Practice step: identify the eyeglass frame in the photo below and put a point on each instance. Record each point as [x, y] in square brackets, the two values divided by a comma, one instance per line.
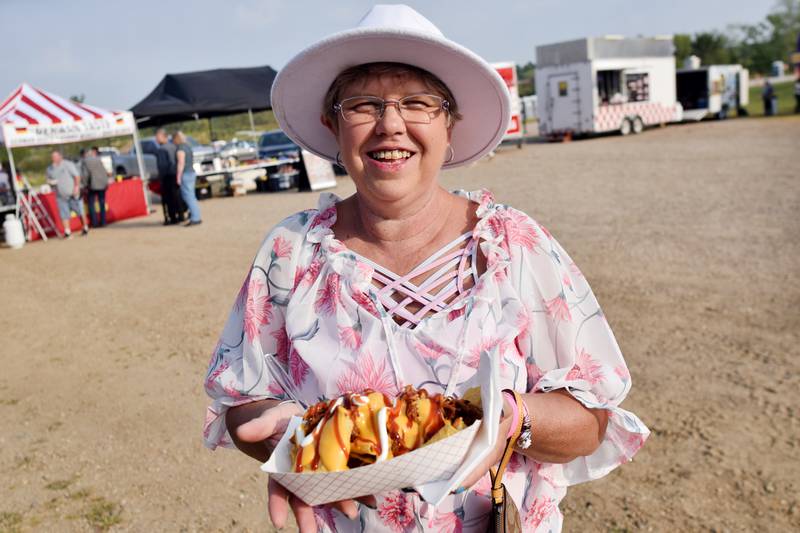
[443, 106]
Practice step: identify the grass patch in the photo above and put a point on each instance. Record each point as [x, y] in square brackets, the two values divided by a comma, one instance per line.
[60, 484]
[9, 401]
[24, 462]
[102, 514]
[785, 93]
[10, 522]
[79, 494]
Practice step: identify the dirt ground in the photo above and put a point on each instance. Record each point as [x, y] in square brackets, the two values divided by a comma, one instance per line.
[688, 234]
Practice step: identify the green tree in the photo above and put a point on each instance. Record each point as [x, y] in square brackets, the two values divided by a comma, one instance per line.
[683, 47]
[526, 75]
[713, 48]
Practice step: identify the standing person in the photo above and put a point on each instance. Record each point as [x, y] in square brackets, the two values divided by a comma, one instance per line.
[167, 163]
[186, 177]
[407, 283]
[66, 178]
[6, 190]
[97, 179]
[767, 94]
[797, 95]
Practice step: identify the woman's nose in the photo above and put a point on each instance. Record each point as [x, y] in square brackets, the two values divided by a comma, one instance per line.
[391, 121]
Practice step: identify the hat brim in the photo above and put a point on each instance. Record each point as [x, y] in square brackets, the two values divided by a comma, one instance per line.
[299, 90]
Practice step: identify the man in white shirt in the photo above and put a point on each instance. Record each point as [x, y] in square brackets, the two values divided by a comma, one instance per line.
[66, 179]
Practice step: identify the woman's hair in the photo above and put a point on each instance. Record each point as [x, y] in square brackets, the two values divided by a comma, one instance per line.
[360, 73]
[178, 138]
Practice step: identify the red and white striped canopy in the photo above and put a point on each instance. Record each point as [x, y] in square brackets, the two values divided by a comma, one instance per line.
[31, 116]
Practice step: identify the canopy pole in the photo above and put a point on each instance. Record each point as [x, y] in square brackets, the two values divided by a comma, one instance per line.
[139, 161]
[14, 184]
[252, 122]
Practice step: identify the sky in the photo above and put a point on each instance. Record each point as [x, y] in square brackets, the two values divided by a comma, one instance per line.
[115, 52]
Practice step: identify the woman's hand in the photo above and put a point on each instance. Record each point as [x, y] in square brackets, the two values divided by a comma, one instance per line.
[267, 429]
[495, 455]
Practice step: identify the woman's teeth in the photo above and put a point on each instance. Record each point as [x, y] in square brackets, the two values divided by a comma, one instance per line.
[390, 155]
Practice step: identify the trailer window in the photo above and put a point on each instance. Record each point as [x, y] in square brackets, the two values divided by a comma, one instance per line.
[609, 86]
[562, 88]
[638, 86]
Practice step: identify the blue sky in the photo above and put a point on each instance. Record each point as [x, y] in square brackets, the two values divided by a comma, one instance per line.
[115, 52]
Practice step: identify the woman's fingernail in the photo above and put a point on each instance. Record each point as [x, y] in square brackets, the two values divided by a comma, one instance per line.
[459, 490]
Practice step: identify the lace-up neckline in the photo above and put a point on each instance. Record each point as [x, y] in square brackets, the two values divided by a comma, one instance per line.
[455, 263]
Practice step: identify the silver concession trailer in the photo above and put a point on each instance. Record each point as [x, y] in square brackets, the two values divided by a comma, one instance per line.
[605, 84]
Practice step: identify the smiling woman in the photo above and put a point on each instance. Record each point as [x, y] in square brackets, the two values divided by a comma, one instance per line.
[405, 283]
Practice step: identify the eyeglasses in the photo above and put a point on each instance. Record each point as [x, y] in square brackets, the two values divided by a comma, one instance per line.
[416, 108]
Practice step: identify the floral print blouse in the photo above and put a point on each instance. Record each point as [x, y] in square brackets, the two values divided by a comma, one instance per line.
[307, 325]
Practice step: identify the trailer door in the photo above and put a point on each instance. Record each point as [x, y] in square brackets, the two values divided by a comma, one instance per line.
[564, 100]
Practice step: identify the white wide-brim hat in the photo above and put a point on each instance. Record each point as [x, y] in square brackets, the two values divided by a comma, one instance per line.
[397, 34]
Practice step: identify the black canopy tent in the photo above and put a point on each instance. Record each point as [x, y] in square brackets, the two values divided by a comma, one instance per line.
[206, 94]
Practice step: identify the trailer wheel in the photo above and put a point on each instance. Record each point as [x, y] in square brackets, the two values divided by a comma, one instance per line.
[637, 125]
[626, 127]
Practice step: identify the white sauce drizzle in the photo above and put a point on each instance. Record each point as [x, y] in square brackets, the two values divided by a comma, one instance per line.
[299, 435]
[383, 434]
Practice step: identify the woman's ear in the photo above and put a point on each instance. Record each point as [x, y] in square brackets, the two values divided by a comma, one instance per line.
[333, 128]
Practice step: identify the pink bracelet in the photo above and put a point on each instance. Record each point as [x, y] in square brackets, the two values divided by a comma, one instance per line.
[514, 412]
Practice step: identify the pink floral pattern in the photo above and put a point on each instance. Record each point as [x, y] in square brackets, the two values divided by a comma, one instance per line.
[586, 368]
[328, 296]
[281, 345]
[430, 350]
[558, 308]
[350, 337]
[446, 523]
[258, 309]
[298, 368]
[533, 310]
[364, 373]
[538, 511]
[396, 512]
[281, 248]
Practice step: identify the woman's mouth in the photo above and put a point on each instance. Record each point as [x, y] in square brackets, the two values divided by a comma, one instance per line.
[389, 156]
[389, 159]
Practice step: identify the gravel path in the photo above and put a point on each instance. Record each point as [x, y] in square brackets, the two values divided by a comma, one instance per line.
[688, 235]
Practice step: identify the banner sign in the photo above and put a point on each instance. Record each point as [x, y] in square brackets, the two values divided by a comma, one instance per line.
[319, 171]
[16, 135]
[508, 71]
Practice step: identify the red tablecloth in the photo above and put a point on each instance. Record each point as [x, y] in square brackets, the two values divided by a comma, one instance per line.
[124, 199]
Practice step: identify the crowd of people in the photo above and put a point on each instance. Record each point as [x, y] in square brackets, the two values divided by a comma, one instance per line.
[178, 178]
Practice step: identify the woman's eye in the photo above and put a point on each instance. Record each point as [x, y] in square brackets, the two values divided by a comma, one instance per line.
[365, 107]
[417, 104]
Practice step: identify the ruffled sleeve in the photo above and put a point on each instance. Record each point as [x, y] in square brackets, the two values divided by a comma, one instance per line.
[254, 341]
[568, 344]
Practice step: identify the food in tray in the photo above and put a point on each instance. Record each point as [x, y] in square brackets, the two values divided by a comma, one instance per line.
[359, 429]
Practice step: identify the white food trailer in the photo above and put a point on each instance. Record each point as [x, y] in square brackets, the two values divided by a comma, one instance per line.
[715, 90]
[605, 84]
[508, 71]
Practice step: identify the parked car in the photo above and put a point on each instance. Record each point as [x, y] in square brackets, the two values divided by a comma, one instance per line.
[126, 165]
[241, 150]
[275, 143]
[202, 153]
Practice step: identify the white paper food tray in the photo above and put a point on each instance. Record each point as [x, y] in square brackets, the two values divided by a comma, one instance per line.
[434, 470]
